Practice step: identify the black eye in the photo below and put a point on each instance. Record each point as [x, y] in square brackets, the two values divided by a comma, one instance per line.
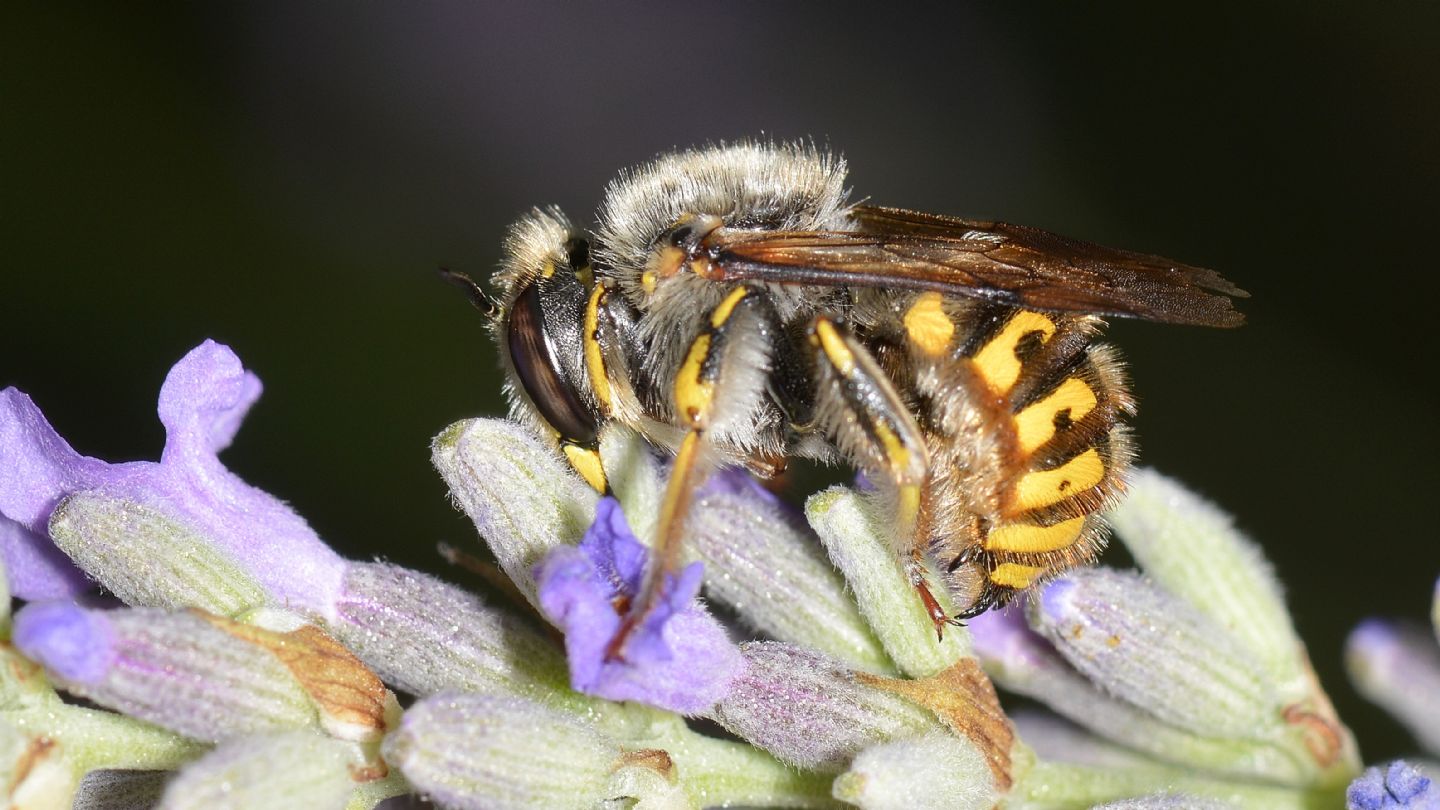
[535, 354]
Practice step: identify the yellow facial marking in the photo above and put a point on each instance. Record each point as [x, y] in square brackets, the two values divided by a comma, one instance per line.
[834, 347]
[648, 281]
[928, 326]
[586, 275]
[1025, 538]
[594, 357]
[723, 312]
[996, 361]
[1015, 575]
[693, 395]
[1035, 425]
[547, 269]
[587, 463]
[1047, 487]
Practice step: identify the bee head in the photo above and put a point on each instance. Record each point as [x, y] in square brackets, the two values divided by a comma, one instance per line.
[542, 287]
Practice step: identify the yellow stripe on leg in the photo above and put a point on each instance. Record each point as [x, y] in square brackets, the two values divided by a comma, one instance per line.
[833, 345]
[692, 394]
[722, 313]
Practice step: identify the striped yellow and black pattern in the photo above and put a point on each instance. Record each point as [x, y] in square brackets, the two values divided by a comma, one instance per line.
[1021, 412]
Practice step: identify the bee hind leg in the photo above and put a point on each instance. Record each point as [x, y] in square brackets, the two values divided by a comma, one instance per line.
[858, 405]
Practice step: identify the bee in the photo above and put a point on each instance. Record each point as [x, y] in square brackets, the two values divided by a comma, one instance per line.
[735, 308]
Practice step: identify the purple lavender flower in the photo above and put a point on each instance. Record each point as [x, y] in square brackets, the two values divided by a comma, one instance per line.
[1399, 785]
[678, 657]
[189, 496]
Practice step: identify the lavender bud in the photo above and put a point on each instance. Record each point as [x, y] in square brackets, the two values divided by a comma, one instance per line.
[176, 670]
[424, 636]
[1191, 548]
[523, 499]
[1020, 660]
[149, 558]
[1397, 665]
[765, 563]
[487, 751]
[809, 711]
[849, 524]
[290, 769]
[1156, 651]
[934, 770]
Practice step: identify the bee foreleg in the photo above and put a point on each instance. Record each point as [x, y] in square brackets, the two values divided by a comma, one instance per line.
[722, 375]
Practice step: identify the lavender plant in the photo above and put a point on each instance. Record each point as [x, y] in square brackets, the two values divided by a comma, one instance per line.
[231, 659]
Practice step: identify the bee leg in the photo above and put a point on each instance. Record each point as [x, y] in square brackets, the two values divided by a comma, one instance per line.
[726, 363]
[858, 405]
[915, 568]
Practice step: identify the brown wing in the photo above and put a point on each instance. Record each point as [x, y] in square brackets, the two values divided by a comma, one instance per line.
[1009, 264]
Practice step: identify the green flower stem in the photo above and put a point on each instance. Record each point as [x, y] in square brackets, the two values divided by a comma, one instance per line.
[369, 794]
[1059, 786]
[722, 773]
[95, 739]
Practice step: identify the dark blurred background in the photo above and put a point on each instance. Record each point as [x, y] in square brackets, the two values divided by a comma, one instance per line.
[285, 178]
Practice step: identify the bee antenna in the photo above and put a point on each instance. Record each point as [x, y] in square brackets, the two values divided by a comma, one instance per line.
[481, 299]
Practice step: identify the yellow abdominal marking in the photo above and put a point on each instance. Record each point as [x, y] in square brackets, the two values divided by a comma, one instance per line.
[1015, 575]
[594, 358]
[1048, 487]
[587, 463]
[996, 361]
[648, 281]
[927, 324]
[693, 395]
[1026, 538]
[1035, 425]
[727, 307]
[834, 347]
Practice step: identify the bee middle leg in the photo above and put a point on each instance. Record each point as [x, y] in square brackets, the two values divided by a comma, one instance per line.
[857, 405]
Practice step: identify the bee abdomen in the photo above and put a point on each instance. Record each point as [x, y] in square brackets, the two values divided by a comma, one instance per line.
[1029, 409]
[1066, 446]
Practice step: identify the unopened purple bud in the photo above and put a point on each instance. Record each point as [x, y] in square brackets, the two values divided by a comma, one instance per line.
[1397, 665]
[424, 636]
[177, 670]
[76, 644]
[808, 709]
[1156, 651]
